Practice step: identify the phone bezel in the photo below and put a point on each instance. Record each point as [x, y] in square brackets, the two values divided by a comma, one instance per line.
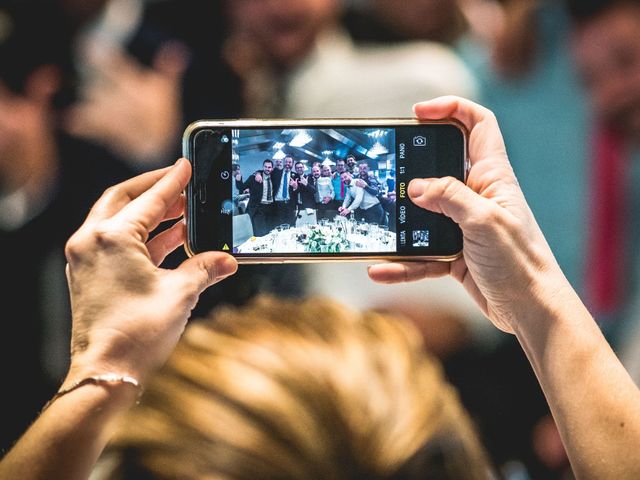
[317, 122]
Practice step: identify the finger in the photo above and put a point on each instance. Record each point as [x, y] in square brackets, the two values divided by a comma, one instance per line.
[166, 242]
[115, 66]
[485, 138]
[197, 273]
[407, 272]
[116, 197]
[172, 60]
[176, 210]
[80, 121]
[463, 110]
[147, 211]
[93, 120]
[450, 197]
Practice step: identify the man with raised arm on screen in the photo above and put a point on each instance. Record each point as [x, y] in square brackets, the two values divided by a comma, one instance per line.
[358, 200]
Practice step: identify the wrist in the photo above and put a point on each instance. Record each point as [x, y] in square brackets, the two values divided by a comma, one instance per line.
[550, 301]
[104, 358]
[121, 389]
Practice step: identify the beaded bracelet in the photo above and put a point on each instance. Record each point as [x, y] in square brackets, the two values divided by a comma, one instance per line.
[94, 380]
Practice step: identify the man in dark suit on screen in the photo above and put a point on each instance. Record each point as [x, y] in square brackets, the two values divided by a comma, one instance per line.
[304, 191]
[284, 196]
[261, 207]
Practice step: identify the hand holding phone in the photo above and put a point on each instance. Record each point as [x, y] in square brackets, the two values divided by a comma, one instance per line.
[507, 265]
[325, 195]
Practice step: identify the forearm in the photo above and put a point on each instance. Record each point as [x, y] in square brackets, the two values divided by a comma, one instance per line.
[128, 315]
[242, 186]
[356, 202]
[69, 436]
[372, 190]
[595, 403]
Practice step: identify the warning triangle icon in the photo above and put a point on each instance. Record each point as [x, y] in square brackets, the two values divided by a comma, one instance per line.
[225, 247]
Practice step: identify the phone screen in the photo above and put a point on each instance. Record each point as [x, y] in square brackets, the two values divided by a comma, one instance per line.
[320, 191]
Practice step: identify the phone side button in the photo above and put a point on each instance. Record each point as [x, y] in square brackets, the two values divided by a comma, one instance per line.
[202, 193]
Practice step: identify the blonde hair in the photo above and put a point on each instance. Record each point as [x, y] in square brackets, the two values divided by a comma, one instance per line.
[298, 390]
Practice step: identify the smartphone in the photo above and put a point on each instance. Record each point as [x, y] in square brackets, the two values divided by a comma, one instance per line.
[275, 191]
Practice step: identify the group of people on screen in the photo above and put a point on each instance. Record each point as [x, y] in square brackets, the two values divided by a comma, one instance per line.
[282, 193]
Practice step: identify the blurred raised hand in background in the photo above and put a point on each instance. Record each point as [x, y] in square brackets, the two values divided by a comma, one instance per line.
[133, 109]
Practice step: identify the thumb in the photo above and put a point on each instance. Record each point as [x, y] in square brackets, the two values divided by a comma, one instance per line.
[203, 270]
[450, 197]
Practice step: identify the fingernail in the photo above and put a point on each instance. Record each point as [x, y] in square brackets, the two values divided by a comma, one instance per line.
[417, 186]
[419, 104]
[227, 266]
[178, 161]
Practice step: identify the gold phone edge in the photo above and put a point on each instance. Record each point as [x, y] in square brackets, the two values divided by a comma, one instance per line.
[328, 122]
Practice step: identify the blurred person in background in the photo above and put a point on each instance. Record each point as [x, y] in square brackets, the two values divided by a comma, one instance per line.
[149, 69]
[48, 182]
[442, 21]
[401, 20]
[297, 61]
[606, 49]
[606, 55]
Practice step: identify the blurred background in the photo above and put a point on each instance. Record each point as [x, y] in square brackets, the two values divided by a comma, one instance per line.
[95, 91]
